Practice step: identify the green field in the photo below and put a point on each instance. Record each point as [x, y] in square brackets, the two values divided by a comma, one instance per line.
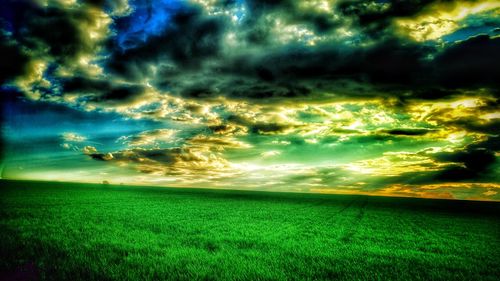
[102, 232]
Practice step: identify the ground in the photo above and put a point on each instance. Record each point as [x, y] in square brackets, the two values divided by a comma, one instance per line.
[58, 231]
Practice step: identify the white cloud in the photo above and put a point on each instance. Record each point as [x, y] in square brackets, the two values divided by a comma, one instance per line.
[73, 137]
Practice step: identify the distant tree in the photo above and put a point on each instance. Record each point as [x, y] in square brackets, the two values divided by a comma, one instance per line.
[105, 182]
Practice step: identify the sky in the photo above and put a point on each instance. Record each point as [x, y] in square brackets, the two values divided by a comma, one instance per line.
[391, 98]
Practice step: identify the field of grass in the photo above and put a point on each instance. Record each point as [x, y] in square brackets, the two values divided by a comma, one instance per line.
[102, 232]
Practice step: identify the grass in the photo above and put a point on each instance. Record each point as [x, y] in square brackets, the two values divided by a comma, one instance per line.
[60, 231]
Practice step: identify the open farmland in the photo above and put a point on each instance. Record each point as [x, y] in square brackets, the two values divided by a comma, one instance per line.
[105, 232]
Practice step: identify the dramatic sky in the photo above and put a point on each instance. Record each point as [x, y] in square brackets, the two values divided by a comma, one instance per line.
[396, 98]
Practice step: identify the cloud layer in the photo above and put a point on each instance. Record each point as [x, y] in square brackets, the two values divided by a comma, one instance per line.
[378, 97]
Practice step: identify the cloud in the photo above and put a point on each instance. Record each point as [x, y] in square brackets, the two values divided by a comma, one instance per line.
[468, 191]
[200, 156]
[441, 18]
[150, 138]
[14, 60]
[356, 94]
[228, 129]
[471, 63]
[194, 37]
[73, 137]
[270, 153]
[89, 150]
[189, 54]
[472, 191]
[54, 41]
[395, 164]
[216, 143]
[473, 162]
[189, 165]
[407, 132]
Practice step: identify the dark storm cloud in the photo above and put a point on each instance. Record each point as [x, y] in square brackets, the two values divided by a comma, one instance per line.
[298, 71]
[101, 90]
[138, 155]
[13, 60]
[407, 132]
[53, 30]
[39, 42]
[471, 63]
[188, 58]
[321, 22]
[191, 38]
[85, 85]
[475, 162]
[474, 165]
[375, 17]
[472, 125]
[269, 128]
[389, 62]
[121, 93]
[393, 66]
[164, 156]
[98, 156]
